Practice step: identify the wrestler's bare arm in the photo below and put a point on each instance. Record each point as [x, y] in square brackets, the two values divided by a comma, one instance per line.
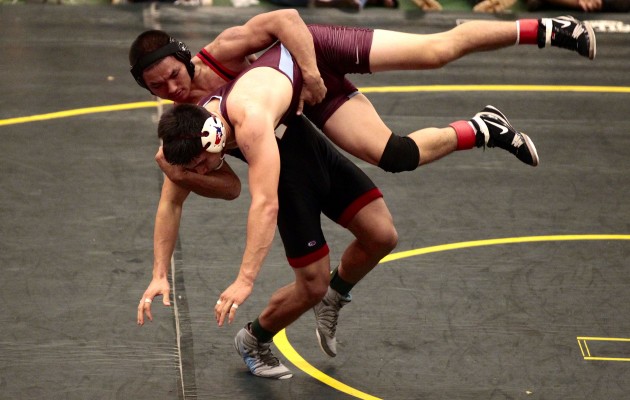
[255, 110]
[220, 184]
[236, 43]
[258, 144]
[167, 220]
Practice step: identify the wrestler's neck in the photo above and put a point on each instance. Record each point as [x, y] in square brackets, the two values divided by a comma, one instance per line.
[205, 81]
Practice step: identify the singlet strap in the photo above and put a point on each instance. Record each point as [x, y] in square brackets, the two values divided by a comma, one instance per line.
[225, 73]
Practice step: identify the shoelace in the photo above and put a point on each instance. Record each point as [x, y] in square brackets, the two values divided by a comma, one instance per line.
[260, 355]
[328, 317]
[579, 30]
[265, 355]
[518, 140]
[566, 41]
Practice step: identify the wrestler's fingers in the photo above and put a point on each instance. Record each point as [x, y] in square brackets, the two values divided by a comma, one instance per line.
[300, 107]
[147, 311]
[166, 298]
[144, 308]
[232, 313]
[220, 311]
[222, 314]
[217, 310]
[140, 316]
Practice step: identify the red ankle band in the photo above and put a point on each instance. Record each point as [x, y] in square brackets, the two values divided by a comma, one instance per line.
[465, 135]
[528, 31]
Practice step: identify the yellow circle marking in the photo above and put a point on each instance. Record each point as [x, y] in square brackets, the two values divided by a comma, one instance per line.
[292, 355]
[283, 344]
[496, 88]
[491, 242]
[79, 111]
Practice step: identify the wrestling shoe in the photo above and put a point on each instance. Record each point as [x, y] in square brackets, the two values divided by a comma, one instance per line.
[258, 357]
[567, 33]
[494, 130]
[326, 315]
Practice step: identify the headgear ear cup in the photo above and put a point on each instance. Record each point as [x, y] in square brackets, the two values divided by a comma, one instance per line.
[213, 135]
[174, 48]
[184, 55]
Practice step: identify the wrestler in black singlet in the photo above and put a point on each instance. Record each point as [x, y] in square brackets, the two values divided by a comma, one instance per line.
[315, 177]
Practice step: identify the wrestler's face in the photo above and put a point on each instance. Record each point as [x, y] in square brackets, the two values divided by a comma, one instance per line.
[204, 163]
[168, 79]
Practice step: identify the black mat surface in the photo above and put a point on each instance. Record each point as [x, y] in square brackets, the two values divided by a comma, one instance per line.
[533, 318]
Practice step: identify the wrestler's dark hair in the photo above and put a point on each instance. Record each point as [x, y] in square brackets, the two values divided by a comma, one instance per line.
[180, 131]
[152, 46]
[147, 42]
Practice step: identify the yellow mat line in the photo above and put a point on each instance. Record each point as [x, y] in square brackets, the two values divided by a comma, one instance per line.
[586, 352]
[282, 342]
[497, 88]
[375, 89]
[606, 359]
[490, 242]
[82, 111]
[603, 339]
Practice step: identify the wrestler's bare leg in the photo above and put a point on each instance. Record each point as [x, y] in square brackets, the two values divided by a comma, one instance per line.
[405, 51]
[367, 136]
[288, 303]
[376, 237]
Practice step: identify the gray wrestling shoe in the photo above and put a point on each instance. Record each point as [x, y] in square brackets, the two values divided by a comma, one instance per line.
[494, 130]
[258, 357]
[567, 33]
[326, 315]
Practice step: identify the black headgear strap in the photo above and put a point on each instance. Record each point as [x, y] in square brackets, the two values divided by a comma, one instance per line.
[176, 48]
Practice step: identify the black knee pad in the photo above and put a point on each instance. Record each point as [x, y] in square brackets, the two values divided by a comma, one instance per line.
[400, 154]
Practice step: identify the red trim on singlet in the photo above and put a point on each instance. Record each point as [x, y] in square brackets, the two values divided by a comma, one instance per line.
[301, 262]
[356, 206]
[225, 73]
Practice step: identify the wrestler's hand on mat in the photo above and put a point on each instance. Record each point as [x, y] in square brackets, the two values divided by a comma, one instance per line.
[157, 287]
[230, 300]
[313, 92]
[174, 172]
